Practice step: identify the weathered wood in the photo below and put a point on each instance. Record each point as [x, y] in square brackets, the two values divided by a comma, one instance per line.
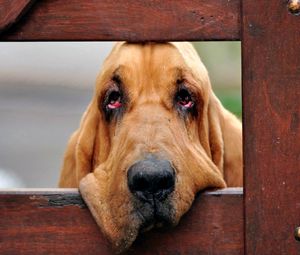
[11, 11]
[271, 109]
[131, 20]
[58, 222]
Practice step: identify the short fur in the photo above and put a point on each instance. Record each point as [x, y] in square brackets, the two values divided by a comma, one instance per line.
[205, 150]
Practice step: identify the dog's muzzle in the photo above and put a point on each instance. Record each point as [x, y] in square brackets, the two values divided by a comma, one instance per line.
[152, 181]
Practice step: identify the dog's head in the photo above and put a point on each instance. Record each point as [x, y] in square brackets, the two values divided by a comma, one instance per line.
[149, 141]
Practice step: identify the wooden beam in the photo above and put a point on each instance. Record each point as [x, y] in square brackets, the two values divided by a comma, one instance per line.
[131, 20]
[271, 119]
[11, 11]
[58, 222]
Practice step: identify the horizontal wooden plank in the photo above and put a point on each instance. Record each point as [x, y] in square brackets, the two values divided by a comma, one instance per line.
[11, 11]
[58, 222]
[132, 20]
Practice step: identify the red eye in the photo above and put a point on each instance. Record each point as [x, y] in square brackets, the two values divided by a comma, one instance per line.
[114, 100]
[184, 99]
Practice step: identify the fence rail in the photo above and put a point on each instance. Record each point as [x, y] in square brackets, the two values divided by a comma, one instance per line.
[131, 20]
[57, 221]
[36, 222]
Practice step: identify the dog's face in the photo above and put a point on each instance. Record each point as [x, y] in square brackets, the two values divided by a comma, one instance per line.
[152, 149]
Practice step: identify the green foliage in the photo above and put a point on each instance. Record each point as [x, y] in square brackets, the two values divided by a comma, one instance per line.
[223, 62]
[231, 99]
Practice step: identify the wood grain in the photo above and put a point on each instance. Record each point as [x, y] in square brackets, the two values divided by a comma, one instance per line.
[131, 20]
[271, 108]
[11, 11]
[58, 222]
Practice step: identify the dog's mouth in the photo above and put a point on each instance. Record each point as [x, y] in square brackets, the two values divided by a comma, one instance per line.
[150, 201]
[155, 214]
[151, 182]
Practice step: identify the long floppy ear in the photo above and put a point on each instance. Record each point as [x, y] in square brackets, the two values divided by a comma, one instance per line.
[83, 153]
[225, 140]
[78, 159]
[220, 132]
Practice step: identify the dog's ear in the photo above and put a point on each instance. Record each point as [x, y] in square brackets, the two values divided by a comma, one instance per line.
[225, 141]
[84, 153]
[78, 159]
[215, 137]
[220, 132]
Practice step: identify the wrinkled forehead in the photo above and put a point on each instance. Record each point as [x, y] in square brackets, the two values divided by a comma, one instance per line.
[147, 54]
[149, 59]
[156, 62]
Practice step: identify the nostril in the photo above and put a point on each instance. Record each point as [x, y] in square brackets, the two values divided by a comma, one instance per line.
[165, 182]
[140, 182]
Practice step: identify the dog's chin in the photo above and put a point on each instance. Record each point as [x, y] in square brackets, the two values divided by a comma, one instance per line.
[143, 217]
[139, 221]
[155, 215]
[140, 217]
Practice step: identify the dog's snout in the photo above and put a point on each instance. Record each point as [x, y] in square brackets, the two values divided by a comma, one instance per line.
[151, 179]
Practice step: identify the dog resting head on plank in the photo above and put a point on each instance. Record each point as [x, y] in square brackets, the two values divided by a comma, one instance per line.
[153, 135]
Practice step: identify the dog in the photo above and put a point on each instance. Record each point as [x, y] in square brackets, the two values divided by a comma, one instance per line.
[153, 135]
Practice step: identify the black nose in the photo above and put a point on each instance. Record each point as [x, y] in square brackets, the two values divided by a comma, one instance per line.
[151, 178]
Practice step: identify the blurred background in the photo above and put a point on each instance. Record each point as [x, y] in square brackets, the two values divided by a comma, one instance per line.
[45, 88]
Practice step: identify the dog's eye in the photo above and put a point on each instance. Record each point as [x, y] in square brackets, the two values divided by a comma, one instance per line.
[113, 103]
[114, 100]
[184, 99]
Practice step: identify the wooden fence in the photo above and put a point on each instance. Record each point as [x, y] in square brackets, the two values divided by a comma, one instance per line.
[263, 221]
[58, 222]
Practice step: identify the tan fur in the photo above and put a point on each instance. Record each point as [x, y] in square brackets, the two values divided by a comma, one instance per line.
[205, 151]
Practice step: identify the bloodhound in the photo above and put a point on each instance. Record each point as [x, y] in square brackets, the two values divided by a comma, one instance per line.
[153, 136]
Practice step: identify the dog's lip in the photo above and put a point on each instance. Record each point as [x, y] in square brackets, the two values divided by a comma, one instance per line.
[154, 221]
[146, 223]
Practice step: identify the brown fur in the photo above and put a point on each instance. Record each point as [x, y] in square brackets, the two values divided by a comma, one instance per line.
[206, 150]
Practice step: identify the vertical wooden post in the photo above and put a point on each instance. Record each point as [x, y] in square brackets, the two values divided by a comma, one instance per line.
[271, 106]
